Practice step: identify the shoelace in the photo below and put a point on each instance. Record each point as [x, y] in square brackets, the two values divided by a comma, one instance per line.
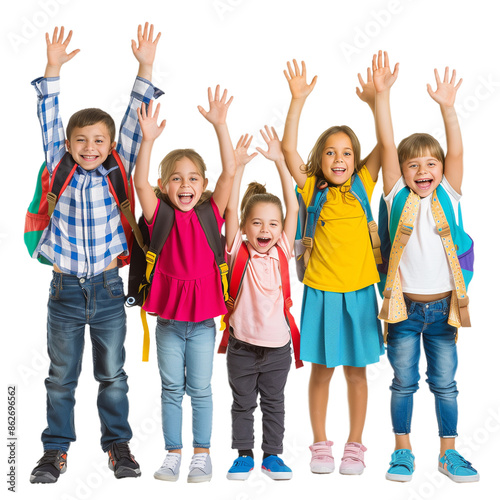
[49, 457]
[170, 461]
[456, 460]
[403, 459]
[199, 460]
[353, 453]
[121, 451]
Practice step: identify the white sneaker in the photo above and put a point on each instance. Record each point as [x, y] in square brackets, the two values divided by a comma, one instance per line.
[169, 471]
[200, 469]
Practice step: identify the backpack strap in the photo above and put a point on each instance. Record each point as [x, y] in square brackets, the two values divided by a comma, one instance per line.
[208, 222]
[285, 287]
[459, 308]
[359, 192]
[393, 306]
[59, 181]
[116, 177]
[163, 225]
[237, 272]
[313, 211]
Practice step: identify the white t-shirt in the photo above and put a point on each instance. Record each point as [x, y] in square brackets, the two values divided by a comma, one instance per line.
[424, 266]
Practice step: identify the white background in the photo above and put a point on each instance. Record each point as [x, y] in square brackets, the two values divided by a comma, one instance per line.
[244, 46]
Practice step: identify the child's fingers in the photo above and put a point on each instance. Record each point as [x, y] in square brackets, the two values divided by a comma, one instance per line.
[202, 111]
[379, 61]
[457, 86]
[240, 141]
[286, 75]
[361, 81]
[446, 74]
[313, 82]
[374, 63]
[139, 32]
[151, 32]
[217, 92]
[210, 95]
[229, 102]
[436, 74]
[304, 73]
[224, 95]
[369, 75]
[386, 60]
[157, 38]
[396, 70]
[248, 142]
[296, 66]
[275, 135]
[290, 70]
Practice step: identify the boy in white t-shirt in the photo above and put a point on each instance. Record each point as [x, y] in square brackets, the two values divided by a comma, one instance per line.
[426, 277]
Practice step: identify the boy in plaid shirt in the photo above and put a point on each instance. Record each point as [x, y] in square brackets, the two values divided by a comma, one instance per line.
[83, 241]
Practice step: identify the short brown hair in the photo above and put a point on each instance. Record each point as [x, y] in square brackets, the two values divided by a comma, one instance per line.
[313, 165]
[90, 116]
[417, 145]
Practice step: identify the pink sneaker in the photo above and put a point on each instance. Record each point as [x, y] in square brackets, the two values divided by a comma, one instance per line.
[353, 459]
[322, 461]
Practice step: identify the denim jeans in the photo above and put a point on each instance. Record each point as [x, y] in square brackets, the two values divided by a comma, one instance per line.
[429, 321]
[74, 303]
[185, 354]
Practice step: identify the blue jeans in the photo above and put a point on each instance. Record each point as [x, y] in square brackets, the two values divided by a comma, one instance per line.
[185, 354]
[429, 321]
[74, 303]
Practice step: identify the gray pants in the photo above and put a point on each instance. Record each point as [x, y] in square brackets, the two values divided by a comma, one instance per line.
[255, 370]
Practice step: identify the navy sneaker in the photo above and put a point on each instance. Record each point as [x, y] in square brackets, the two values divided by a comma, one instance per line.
[50, 467]
[122, 462]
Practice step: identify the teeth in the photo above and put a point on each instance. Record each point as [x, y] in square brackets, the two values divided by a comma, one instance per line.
[185, 195]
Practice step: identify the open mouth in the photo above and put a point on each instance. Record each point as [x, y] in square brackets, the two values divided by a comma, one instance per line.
[338, 170]
[89, 157]
[263, 242]
[185, 198]
[424, 184]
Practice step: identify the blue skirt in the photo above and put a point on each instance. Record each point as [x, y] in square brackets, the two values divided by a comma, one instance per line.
[340, 328]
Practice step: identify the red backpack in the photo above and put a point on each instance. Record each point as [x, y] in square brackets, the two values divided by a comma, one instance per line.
[237, 272]
[50, 187]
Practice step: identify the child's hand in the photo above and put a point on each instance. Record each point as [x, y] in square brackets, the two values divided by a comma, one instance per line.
[145, 50]
[367, 92]
[149, 121]
[56, 50]
[297, 80]
[274, 152]
[446, 90]
[217, 112]
[241, 151]
[383, 78]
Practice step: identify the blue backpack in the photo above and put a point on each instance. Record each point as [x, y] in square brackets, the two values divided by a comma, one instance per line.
[309, 216]
[387, 230]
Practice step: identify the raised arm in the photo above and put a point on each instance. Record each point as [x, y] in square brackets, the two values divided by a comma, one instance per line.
[300, 89]
[445, 95]
[383, 80]
[57, 54]
[148, 121]
[216, 115]
[274, 153]
[367, 94]
[144, 50]
[241, 159]
[130, 135]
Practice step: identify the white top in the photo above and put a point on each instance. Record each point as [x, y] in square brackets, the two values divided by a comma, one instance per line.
[424, 266]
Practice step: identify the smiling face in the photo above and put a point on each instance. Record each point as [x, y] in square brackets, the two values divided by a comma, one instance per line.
[337, 160]
[185, 184]
[90, 145]
[423, 174]
[263, 226]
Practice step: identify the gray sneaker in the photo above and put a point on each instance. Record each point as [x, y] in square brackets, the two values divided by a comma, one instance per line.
[169, 471]
[200, 469]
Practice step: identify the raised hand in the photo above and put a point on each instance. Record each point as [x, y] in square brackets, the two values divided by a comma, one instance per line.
[148, 120]
[241, 151]
[145, 48]
[57, 54]
[367, 91]
[383, 78]
[274, 152]
[446, 90]
[218, 107]
[297, 80]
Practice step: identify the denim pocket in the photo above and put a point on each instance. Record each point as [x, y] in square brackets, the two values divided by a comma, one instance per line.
[54, 289]
[208, 322]
[114, 288]
[164, 322]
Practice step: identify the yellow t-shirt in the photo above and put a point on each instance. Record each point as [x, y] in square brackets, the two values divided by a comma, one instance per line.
[342, 257]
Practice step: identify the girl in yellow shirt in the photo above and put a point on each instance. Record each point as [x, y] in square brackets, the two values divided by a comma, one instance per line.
[339, 325]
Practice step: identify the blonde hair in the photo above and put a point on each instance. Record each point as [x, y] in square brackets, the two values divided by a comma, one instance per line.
[419, 145]
[313, 165]
[167, 168]
[256, 193]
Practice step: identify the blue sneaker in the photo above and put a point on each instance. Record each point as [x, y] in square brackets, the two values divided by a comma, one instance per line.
[275, 468]
[402, 466]
[453, 465]
[241, 468]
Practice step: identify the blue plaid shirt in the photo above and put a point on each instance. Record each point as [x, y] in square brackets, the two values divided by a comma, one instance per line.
[85, 233]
